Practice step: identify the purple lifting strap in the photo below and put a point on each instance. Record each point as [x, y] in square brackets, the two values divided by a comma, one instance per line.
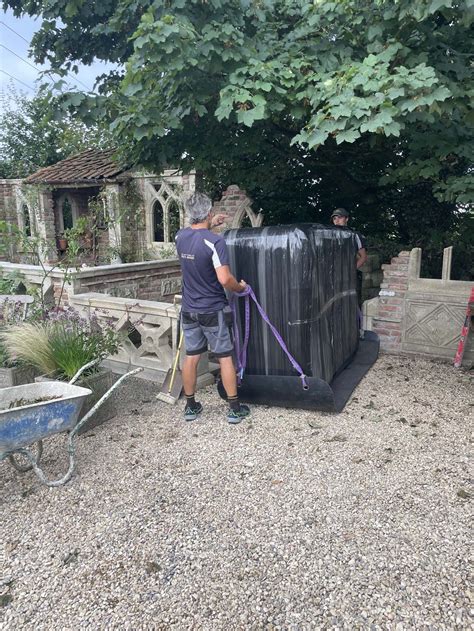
[241, 351]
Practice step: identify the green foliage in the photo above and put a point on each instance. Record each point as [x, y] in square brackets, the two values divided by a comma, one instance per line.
[4, 358]
[13, 283]
[306, 105]
[29, 343]
[32, 136]
[61, 343]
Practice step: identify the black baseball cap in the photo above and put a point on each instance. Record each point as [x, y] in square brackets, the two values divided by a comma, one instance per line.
[340, 212]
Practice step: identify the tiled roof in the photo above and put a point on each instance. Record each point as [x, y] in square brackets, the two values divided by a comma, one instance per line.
[90, 166]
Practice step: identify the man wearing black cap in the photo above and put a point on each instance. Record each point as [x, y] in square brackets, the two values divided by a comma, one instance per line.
[340, 217]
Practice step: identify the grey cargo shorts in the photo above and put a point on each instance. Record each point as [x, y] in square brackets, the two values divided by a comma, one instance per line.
[203, 330]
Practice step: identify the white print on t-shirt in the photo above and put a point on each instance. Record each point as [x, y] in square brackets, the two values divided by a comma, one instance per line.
[187, 256]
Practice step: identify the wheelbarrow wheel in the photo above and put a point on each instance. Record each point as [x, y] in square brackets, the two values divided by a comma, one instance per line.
[23, 465]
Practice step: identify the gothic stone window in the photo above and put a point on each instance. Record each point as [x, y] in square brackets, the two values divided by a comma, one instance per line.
[25, 217]
[165, 217]
[173, 219]
[66, 211]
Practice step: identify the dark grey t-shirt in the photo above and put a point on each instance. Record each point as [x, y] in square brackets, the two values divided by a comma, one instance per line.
[200, 252]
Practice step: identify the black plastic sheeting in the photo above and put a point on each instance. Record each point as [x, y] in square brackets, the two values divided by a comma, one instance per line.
[304, 277]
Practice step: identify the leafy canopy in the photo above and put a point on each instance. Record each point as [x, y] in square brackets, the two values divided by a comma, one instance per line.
[32, 136]
[325, 71]
[366, 103]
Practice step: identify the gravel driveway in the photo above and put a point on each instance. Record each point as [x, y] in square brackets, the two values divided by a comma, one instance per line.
[292, 520]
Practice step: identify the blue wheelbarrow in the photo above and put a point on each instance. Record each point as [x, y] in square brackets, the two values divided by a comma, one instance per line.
[34, 411]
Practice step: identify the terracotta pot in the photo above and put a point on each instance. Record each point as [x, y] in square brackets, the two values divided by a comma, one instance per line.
[62, 244]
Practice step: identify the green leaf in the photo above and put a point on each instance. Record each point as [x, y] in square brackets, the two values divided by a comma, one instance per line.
[374, 31]
[370, 60]
[247, 117]
[76, 99]
[132, 89]
[317, 137]
[140, 132]
[347, 136]
[392, 129]
[436, 5]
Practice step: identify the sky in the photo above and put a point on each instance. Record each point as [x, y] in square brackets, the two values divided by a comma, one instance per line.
[17, 68]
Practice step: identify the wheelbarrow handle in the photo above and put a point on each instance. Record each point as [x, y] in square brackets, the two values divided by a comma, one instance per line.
[104, 398]
[72, 435]
[94, 362]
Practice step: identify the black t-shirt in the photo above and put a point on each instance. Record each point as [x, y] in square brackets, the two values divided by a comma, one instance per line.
[359, 238]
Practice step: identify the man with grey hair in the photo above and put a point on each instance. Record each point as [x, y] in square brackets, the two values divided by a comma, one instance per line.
[205, 315]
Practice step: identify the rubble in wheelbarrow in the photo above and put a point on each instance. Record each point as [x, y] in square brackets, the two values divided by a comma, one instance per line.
[19, 403]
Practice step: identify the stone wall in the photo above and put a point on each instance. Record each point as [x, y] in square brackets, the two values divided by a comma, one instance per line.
[153, 280]
[419, 315]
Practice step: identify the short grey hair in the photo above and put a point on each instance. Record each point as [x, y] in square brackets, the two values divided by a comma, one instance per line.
[198, 206]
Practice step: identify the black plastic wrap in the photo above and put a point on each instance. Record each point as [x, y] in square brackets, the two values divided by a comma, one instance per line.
[304, 276]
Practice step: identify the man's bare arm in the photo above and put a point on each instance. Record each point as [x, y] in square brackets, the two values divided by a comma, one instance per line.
[361, 257]
[228, 281]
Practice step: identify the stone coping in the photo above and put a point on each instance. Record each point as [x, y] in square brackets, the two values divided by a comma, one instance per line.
[103, 301]
[88, 272]
[439, 286]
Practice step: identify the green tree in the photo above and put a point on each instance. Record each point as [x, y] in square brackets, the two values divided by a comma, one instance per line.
[32, 136]
[305, 104]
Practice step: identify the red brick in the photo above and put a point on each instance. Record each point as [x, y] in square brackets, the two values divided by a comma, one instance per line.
[389, 309]
[390, 301]
[396, 326]
[394, 273]
[399, 286]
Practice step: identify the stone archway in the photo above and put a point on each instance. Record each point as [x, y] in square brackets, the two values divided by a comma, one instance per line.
[237, 205]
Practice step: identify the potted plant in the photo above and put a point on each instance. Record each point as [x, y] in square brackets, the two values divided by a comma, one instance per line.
[61, 344]
[12, 371]
[62, 242]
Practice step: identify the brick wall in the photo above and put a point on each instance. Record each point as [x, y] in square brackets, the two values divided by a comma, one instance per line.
[387, 322]
[157, 280]
[233, 201]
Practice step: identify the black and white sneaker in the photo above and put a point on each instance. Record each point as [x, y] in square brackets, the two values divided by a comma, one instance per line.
[236, 416]
[191, 412]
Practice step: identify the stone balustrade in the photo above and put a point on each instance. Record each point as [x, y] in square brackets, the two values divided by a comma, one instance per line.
[149, 331]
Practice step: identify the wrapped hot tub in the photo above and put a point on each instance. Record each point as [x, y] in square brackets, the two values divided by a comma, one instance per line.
[304, 277]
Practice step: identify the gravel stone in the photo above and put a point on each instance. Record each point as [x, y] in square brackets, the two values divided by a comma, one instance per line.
[290, 520]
